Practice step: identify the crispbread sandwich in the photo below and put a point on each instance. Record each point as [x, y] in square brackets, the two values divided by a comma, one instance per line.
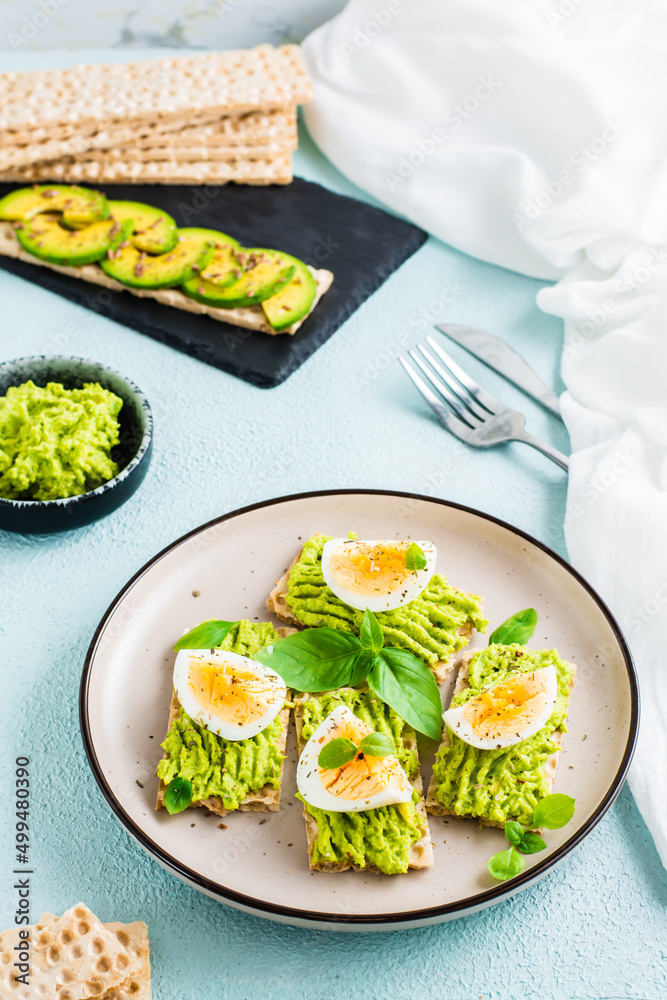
[226, 774]
[503, 783]
[387, 840]
[434, 629]
[130, 246]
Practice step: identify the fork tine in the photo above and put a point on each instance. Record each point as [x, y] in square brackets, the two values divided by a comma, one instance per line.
[475, 410]
[452, 400]
[490, 404]
[451, 422]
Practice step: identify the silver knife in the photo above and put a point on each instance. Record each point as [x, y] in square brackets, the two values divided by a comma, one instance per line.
[498, 355]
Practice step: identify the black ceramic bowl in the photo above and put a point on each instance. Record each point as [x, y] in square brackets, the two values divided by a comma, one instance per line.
[132, 454]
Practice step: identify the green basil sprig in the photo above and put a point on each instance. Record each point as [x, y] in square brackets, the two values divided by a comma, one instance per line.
[518, 628]
[339, 752]
[178, 795]
[552, 812]
[320, 659]
[414, 558]
[205, 636]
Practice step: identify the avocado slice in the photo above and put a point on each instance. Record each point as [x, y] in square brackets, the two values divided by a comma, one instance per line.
[154, 230]
[46, 238]
[294, 301]
[265, 272]
[80, 206]
[224, 267]
[193, 249]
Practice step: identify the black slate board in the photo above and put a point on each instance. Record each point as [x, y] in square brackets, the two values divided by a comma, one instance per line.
[362, 245]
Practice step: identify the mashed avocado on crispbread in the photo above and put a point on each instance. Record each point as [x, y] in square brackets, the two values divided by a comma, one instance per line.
[381, 839]
[221, 769]
[433, 626]
[503, 784]
[56, 442]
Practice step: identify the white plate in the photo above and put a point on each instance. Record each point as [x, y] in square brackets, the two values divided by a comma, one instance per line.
[259, 862]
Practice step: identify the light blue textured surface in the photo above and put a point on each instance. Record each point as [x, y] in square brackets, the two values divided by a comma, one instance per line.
[595, 928]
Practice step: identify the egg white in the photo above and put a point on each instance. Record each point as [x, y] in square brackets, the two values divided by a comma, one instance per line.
[409, 589]
[312, 789]
[202, 715]
[461, 727]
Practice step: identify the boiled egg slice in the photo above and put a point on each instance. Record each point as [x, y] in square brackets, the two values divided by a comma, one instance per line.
[363, 783]
[231, 695]
[372, 574]
[508, 713]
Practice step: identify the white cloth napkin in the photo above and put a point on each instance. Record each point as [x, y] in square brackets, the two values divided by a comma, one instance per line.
[534, 135]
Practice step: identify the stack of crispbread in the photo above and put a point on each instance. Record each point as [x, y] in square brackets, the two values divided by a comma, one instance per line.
[75, 957]
[208, 118]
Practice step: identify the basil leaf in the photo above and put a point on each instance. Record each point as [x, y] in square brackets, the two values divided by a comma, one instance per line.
[360, 667]
[377, 745]
[415, 558]
[370, 633]
[531, 843]
[506, 864]
[337, 753]
[514, 833]
[205, 636]
[317, 659]
[519, 628]
[406, 684]
[553, 811]
[178, 795]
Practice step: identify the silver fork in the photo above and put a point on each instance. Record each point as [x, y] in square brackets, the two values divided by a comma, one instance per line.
[470, 413]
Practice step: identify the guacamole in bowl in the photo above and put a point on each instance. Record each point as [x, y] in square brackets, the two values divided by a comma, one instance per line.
[75, 442]
[56, 442]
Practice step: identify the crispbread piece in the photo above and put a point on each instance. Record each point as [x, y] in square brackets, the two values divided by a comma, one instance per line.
[248, 317]
[116, 130]
[52, 971]
[421, 852]
[279, 607]
[180, 153]
[134, 938]
[257, 128]
[221, 83]
[270, 169]
[266, 799]
[73, 957]
[433, 806]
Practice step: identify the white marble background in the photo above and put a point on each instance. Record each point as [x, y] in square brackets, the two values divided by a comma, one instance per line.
[208, 24]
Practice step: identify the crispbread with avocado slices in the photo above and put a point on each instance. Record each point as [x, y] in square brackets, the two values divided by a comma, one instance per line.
[247, 317]
[278, 605]
[420, 853]
[435, 807]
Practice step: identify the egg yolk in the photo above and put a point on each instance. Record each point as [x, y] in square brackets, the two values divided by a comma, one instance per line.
[363, 776]
[233, 694]
[508, 708]
[370, 569]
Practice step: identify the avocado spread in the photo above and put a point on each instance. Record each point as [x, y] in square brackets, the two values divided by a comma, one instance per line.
[56, 442]
[504, 784]
[428, 626]
[381, 837]
[219, 767]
